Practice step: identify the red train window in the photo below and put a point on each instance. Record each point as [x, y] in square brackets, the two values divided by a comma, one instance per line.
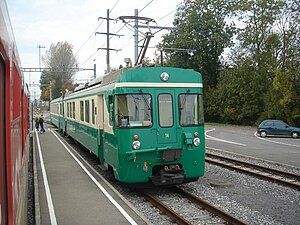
[16, 93]
[3, 184]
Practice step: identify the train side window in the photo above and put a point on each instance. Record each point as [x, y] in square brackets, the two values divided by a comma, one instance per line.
[87, 111]
[73, 110]
[16, 109]
[111, 113]
[70, 110]
[63, 109]
[81, 111]
[93, 111]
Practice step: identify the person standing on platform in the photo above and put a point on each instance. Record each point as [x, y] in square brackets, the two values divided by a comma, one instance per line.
[41, 122]
[37, 123]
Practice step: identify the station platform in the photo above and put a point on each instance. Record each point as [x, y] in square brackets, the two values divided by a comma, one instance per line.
[70, 192]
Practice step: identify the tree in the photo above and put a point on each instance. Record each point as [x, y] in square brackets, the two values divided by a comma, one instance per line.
[239, 94]
[266, 55]
[60, 56]
[286, 82]
[270, 38]
[201, 26]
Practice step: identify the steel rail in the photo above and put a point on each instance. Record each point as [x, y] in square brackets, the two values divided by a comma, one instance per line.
[266, 175]
[263, 168]
[194, 199]
[209, 207]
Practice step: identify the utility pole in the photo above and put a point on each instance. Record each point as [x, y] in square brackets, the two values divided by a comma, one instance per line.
[141, 22]
[107, 40]
[50, 94]
[39, 47]
[94, 70]
[147, 36]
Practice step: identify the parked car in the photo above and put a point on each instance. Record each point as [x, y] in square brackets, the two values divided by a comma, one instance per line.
[277, 127]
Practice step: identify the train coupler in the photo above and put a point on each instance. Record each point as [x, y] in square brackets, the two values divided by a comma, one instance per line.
[168, 175]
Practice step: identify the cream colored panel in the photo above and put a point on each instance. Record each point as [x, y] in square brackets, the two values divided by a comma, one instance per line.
[77, 110]
[66, 108]
[162, 84]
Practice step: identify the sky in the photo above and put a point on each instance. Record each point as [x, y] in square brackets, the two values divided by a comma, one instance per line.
[46, 22]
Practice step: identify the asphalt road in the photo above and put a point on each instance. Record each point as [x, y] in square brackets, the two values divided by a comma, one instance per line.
[242, 140]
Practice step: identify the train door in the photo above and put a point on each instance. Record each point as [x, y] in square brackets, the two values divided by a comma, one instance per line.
[100, 121]
[166, 124]
[3, 191]
[110, 153]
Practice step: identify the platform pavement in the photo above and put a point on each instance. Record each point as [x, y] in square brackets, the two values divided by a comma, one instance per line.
[67, 195]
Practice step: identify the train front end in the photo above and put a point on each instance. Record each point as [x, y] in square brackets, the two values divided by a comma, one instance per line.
[158, 126]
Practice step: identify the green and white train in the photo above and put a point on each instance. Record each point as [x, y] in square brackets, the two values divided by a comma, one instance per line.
[146, 124]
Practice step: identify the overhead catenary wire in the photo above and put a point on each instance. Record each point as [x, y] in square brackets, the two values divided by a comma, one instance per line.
[114, 6]
[100, 47]
[92, 34]
[127, 42]
[166, 15]
[89, 57]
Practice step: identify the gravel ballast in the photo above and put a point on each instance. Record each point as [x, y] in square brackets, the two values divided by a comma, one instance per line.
[247, 198]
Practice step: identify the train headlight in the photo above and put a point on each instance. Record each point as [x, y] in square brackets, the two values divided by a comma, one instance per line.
[196, 142]
[164, 76]
[136, 145]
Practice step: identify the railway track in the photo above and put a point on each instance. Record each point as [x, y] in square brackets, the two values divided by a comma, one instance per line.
[276, 176]
[195, 211]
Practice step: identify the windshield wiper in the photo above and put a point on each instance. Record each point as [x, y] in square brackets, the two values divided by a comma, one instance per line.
[145, 100]
[184, 99]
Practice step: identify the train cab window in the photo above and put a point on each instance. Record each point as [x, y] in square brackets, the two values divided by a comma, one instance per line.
[87, 111]
[73, 110]
[133, 110]
[81, 111]
[165, 110]
[191, 111]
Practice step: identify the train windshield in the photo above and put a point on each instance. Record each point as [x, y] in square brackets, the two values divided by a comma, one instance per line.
[191, 109]
[133, 110]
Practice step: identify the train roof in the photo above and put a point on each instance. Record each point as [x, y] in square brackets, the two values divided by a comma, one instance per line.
[56, 100]
[139, 75]
[153, 74]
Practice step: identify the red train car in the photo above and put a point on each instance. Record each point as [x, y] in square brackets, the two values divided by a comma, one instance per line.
[14, 128]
